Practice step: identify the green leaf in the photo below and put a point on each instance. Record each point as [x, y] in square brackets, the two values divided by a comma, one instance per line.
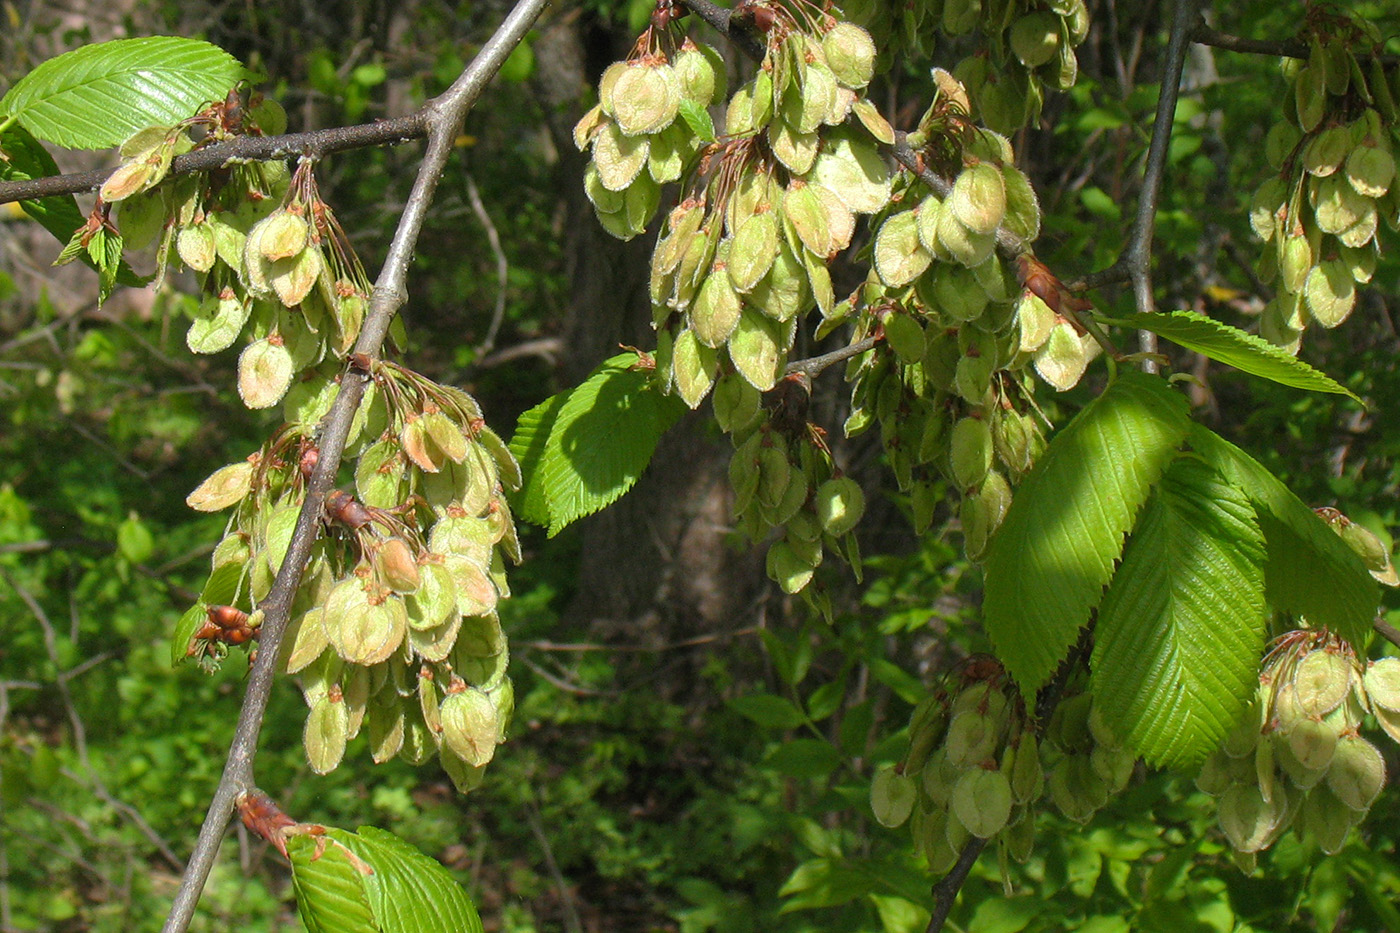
[767, 710]
[1182, 626]
[804, 758]
[825, 882]
[105, 251]
[909, 688]
[1005, 914]
[330, 889]
[1234, 347]
[223, 584]
[528, 444]
[99, 95]
[134, 540]
[409, 892]
[600, 438]
[185, 628]
[1048, 563]
[698, 119]
[1308, 569]
[24, 159]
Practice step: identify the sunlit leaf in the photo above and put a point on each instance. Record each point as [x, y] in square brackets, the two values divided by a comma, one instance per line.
[99, 95]
[1234, 347]
[1182, 626]
[1047, 565]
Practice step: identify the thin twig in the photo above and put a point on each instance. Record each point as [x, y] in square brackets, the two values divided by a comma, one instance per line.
[1387, 631]
[442, 117]
[243, 149]
[1134, 264]
[565, 685]
[546, 348]
[1138, 254]
[945, 892]
[26, 547]
[1009, 245]
[814, 366]
[488, 343]
[697, 641]
[1202, 34]
[718, 19]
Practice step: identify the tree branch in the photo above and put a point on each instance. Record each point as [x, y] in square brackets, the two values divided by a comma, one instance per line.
[1134, 264]
[244, 148]
[814, 366]
[498, 315]
[1202, 34]
[945, 892]
[442, 118]
[1387, 631]
[718, 18]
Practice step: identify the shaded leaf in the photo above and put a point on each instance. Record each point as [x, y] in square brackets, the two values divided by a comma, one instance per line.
[1182, 626]
[825, 883]
[1048, 563]
[185, 628]
[528, 444]
[1234, 347]
[804, 758]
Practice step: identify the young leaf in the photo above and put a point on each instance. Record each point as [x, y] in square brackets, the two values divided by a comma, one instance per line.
[1308, 569]
[98, 95]
[1234, 347]
[223, 585]
[185, 628]
[698, 119]
[409, 892]
[1181, 628]
[1047, 565]
[528, 444]
[330, 889]
[603, 436]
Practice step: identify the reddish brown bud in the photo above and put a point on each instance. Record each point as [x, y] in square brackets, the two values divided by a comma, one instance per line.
[227, 617]
[346, 509]
[260, 814]
[309, 458]
[1037, 278]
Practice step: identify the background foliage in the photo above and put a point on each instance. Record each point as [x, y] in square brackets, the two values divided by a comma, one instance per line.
[675, 767]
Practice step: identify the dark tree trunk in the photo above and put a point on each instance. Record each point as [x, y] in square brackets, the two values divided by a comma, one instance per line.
[655, 568]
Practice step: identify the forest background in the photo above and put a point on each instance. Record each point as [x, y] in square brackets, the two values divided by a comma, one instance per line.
[644, 786]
